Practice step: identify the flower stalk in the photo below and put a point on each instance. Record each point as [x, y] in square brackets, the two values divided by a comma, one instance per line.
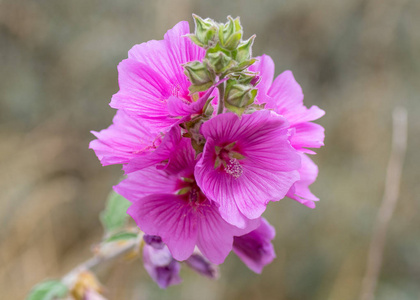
[221, 104]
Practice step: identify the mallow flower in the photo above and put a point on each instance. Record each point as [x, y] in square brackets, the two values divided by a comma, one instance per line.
[200, 178]
[168, 203]
[247, 161]
[284, 96]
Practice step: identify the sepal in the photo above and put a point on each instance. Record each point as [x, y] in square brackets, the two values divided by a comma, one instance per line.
[206, 32]
[199, 76]
[230, 34]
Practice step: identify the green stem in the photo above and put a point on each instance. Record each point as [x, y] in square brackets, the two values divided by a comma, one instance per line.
[221, 105]
[100, 258]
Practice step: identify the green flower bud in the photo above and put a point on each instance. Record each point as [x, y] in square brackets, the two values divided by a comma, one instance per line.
[219, 62]
[206, 32]
[244, 51]
[198, 75]
[230, 34]
[246, 78]
[239, 95]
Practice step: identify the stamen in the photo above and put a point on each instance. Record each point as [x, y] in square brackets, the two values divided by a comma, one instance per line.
[193, 196]
[234, 168]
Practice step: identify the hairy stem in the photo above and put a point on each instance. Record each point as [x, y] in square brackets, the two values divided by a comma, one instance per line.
[103, 256]
[221, 105]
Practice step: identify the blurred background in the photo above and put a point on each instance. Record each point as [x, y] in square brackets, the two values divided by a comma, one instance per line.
[355, 59]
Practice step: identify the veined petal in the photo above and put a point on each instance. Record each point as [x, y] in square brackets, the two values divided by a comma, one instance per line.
[287, 94]
[162, 153]
[143, 91]
[215, 235]
[181, 49]
[126, 138]
[145, 182]
[307, 135]
[265, 67]
[287, 100]
[300, 190]
[167, 216]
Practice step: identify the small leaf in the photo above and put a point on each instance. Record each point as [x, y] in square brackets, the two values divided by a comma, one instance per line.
[200, 88]
[121, 236]
[48, 290]
[115, 214]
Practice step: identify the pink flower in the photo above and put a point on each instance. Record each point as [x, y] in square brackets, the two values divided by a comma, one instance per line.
[153, 85]
[168, 203]
[246, 163]
[285, 97]
[255, 248]
[126, 138]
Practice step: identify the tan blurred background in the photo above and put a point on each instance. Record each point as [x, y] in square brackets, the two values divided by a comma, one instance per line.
[356, 59]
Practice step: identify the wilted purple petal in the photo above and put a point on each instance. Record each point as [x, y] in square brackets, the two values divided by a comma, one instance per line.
[161, 266]
[200, 264]
[255, 248]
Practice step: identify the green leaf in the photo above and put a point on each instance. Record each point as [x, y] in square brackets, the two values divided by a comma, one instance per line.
[122, 236]
[115, 215]
[48, 290]
[200, 88]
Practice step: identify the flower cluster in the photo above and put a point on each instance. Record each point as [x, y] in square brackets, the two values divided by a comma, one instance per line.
[207, 139]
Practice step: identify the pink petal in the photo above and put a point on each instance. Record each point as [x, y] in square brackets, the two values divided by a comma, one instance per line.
[166, 56]
[145, 182]
[143, 91]
[300, 190]
[215, 235]
[307, 135]
[308, 114]
[154, 54]
[126, 138]
[167, 216]
[162, 153]
[287, 99]
[265, 67]
[181, 48]
[287, 94]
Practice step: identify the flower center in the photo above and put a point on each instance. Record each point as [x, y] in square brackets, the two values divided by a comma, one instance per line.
[188, 189]
[227, 158]
[234, 168]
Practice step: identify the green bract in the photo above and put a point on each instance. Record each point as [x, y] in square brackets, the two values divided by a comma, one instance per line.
[115, 215]
[48, 290]
[227, 55]
[199, 76]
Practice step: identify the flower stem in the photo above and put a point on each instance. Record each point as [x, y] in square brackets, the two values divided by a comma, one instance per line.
[99, 258]
[221, 105]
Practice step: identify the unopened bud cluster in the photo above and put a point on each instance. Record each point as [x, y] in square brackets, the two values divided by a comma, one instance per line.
[227, 56]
